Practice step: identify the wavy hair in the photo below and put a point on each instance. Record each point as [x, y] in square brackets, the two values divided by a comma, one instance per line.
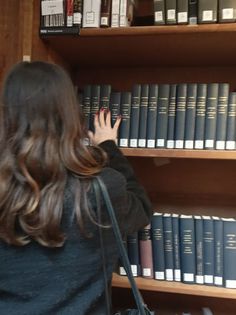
[41, 147]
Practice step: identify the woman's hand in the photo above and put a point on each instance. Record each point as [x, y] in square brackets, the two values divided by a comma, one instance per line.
[103, 129]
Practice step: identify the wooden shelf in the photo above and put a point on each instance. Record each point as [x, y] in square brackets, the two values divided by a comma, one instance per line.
[175, 287]
[185, 45]
[184, 153]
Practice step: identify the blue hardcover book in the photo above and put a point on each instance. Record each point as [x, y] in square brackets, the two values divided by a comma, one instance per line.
[190, 115]
[200, 116]
[115, 106]
[221, 120]
[229, 228]
[152, 115]
[231, 122]
[180, 115]
[105, 93]
[95, 101]
[199, 278]
[168, 247]
[208, 249]
[162, 115]
[218, 250]
[125, 109]
[211, 115]
[187, 248]
[176, 247]
[171, 117]
[158, 246]
[133, 253]
[142, 140]
[134, 115]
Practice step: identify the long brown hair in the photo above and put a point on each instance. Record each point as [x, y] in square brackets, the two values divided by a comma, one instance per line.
[41, 146]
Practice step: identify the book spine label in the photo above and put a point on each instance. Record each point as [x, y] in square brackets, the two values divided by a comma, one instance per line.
[105, 93]
[105, 13]
[176, 247]
[229, 228]
[125, 108]
[182, 11]
[145, 245]
[180, 115]
[115, 106]
[77, 12]
[207, 11]
[200, 116]
[208, 250]
[171, 9]
[143, 115]
[133, 253]
[168, 247]
[162, 115]
[134, 116]
[218, 251]
[231, 122]
[192, 11]
[190, 116]
[199, 250]
[115, 13]
[227, 11]
[171, 117]
[152, 115]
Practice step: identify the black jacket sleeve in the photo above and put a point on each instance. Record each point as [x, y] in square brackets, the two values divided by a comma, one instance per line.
[139, 206]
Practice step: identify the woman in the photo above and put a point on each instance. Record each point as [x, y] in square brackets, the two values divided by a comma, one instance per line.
[49, 233]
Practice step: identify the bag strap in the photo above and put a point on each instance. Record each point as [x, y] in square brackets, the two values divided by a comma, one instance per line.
[122, 251]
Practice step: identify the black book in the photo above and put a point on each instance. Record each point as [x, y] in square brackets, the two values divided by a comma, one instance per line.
[159, 12]
[115, 106]
[133, 253]
[121, 268]
[208, 249]
[190, 116]
[142, 141]
[218, 251]
[192, 11]
[158, 246]
[199, 278]
[125, 108]
[180, 115]
[168, 247]
[134, 115]
[105, 93]
[171, 117]
[171, 12]
[77, 12]
[227, 11]
[176, 247]
[221, 120]
[162, 115]
[187, 248]
[152, 115]
[231, 122]
[200, 116]
[95, 103]
[229, 228]
[211, 115]
[207, 11]
[87, 105]
[182, 11]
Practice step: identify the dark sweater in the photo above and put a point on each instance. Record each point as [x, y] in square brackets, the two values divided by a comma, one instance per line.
[35, 280]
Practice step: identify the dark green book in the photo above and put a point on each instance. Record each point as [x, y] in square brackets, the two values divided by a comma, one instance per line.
[142, 140]
[227, 11]
[200, 116]
[159, 12]
[180, 115]
[207, 11]
[152, 115]
[231, 122]
[171, 12]
[162, 115]
[190, 116]
[134, 115]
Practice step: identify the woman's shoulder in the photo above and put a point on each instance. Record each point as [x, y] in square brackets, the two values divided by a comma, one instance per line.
[113, 179]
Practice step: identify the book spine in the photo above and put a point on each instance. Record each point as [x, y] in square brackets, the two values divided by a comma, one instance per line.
[231, 122]
[211, 115]
[168, 246]
[200, 116]
[227, 11]
[207, 11]
[180, 115]
[125, 108]
[199, 278]
[182, 11]
[152, 115]
[91, 13]
[190, 116]
[69, 12]
[208, 249]
[134, 116]
[176, 247]
[159, 12]
[87, 105]
[121, 268]
[145, 247]
[221, 120]
[115, 13]
[192, 11]
[218, 251]
[171, 117]
[105, 13]
[105, 93]
[158, 246]
[77, 13]
[123, 13]
[95, 101]
[143, 115]
[171, 9]
[115, 106]
[229, 228]
[187, 248]
[133, 253]
[162, 115]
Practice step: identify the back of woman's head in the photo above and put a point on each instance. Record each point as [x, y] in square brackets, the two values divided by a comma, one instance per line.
[41, 144]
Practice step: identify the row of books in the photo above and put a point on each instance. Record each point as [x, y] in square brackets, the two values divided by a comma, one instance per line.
[194, 11]
[68, 16]
[186, 248]
[172, 116]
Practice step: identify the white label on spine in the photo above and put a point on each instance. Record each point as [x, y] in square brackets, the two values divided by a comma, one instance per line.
[122, 271]
[158, 16]
[77, 18]
[182, 17]
[134, 143]
[179, 144]
[146, 272]
[227, 13]
[161, 143]
[188, 144]
[69, 21]
[142, 143]
[218, 280]
[177, 274]
[207, 15]
[170, 14]
[208, 278]
[188, 277]
[199, 279]
[230, 145]
[169, 274]
[199, 144]
[230, 284]
[170, 144]
[151, 143]
[124, 142]
[134, 270]
[104, 21]
[52, 7]
[209, 144]
[220, 145]
[159, 275]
